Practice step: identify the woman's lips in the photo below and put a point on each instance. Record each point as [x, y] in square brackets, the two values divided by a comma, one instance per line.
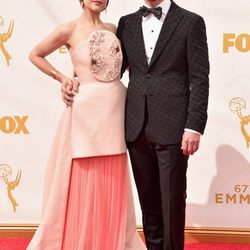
[97, 2]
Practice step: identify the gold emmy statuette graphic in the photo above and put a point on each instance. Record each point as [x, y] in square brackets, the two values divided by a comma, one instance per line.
[4, 37]
[236, 105]
[5, 171]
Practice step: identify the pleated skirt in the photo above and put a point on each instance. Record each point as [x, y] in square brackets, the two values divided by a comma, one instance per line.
[97, 204]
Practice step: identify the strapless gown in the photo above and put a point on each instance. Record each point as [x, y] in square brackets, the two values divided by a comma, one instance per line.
[88, 202]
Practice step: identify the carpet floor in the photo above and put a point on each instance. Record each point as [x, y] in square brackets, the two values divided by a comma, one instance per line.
[21, 244]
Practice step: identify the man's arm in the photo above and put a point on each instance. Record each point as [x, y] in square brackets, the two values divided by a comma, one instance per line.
[119, 34]
[198, 71]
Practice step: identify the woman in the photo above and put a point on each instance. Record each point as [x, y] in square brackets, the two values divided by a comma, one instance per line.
[88, 202]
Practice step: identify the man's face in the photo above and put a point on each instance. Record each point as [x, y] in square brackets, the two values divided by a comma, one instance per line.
[153, 3]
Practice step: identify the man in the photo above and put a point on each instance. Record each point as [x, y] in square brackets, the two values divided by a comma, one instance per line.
[165, 49]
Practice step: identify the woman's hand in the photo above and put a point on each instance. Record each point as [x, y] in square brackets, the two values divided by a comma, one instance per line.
[69, 89]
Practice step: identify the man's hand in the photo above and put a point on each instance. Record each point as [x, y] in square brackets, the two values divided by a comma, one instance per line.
[190, 143]
[69, 89]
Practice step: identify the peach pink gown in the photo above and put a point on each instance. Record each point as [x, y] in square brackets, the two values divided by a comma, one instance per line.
[88, 203]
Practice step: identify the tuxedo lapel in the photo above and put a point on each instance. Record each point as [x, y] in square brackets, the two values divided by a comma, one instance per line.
[139, 41]
[170, 23]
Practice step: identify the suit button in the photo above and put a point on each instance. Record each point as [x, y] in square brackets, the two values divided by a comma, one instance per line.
[148, 75]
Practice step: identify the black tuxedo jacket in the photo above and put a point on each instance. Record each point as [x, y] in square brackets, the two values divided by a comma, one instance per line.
[176, 80]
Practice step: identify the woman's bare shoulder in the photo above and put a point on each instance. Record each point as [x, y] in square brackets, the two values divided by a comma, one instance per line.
[110, 27]
[65, 30]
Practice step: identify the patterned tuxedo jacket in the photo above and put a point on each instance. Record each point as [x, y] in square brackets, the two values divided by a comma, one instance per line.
[175, 82]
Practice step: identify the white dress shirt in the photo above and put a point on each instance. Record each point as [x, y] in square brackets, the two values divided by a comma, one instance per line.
[151, 28]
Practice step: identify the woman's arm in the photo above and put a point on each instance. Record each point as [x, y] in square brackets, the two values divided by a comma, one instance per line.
[59, 37]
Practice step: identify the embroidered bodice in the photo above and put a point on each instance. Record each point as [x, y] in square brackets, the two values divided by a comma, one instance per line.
[99, 58]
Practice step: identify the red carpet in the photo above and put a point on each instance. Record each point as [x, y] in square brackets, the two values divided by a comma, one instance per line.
[14, 244]
[21, 244]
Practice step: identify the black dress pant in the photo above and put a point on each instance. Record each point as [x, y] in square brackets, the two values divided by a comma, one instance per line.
[160, 176]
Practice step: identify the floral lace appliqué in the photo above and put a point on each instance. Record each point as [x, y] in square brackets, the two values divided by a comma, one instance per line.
[115, 53]
[96, 58]
[105, 56]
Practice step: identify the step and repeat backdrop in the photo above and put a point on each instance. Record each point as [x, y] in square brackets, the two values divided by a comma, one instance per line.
[31, 105]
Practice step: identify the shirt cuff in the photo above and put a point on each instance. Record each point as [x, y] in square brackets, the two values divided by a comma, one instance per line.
[193, 131]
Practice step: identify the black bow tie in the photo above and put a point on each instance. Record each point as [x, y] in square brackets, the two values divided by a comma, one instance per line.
[156, 11]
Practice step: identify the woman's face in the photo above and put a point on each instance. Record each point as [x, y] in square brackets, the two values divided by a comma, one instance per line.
[95, 5]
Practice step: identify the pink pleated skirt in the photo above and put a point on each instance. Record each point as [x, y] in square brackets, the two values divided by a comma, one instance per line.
[97, 204]
[87, 202]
